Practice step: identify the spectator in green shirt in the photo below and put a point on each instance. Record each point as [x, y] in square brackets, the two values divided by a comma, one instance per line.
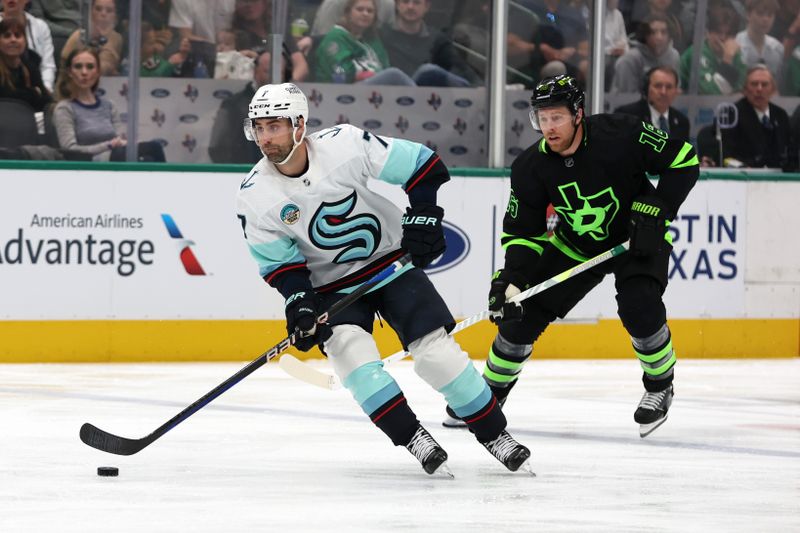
[352, 51]
[721, 69]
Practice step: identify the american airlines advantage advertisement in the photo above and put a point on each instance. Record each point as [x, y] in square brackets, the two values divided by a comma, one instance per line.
[168, 245]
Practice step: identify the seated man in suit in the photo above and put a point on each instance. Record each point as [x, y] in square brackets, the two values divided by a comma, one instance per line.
[762, 136]
[659, 89]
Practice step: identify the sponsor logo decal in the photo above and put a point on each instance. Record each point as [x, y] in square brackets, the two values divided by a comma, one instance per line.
[187, 257]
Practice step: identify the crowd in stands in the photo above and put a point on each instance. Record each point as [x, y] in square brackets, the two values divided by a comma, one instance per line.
[386, 42]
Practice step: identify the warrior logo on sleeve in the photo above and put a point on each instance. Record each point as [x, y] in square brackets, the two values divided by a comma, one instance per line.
[588, 214]
[331, 229]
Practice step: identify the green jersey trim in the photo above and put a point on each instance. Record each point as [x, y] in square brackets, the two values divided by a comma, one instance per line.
[680, 160]
[566, 250]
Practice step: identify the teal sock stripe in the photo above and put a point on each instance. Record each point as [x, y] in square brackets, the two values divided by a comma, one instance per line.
[468, 393]
[371, 386]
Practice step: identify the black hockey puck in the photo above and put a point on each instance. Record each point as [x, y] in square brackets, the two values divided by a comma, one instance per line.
[107, 471]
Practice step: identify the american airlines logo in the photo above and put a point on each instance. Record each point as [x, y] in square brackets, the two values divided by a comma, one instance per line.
[188, 259]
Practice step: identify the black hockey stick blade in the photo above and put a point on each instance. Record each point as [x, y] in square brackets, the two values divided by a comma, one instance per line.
[108, 442]
[105, 441]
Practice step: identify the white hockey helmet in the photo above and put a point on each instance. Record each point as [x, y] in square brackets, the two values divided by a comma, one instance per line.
[284, 100]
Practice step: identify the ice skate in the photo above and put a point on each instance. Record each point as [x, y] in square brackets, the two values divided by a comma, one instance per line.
[431, 456]
[509, 452]
[652, 410]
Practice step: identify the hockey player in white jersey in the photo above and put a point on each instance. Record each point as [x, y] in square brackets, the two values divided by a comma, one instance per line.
[317, 231]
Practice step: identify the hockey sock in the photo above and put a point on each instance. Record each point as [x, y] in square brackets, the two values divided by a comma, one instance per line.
[471, 399]
[380, 397]
[504, 365]
[657, 358]
[396, 419]
[488, 422]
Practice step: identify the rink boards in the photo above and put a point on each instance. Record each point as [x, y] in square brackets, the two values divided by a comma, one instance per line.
[140, 265]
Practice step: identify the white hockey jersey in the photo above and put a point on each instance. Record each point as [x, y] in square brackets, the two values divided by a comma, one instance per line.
[328, 220]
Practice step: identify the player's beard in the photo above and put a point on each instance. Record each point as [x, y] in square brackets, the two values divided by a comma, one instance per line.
[278, 153]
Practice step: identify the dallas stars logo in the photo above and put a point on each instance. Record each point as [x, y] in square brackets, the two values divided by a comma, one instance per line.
[588, 214]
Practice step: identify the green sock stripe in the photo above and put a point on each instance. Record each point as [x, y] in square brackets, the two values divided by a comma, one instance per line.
[652, 358]
[498, 378]
[499, 362]
[661, 369]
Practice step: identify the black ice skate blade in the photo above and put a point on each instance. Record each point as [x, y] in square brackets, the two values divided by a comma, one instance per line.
[646, 429]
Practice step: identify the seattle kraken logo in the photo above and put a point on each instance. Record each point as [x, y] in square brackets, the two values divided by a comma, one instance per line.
[588, 214]
[330, 229]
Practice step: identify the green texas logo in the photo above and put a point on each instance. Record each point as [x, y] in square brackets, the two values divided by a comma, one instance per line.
[588, 214]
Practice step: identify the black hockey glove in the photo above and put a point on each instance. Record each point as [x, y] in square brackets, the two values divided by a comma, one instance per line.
[301, 319]
[423, 236]
[505, 286]
[648, 225]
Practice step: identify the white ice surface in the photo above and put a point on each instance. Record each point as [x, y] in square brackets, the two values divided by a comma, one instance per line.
[274, 454]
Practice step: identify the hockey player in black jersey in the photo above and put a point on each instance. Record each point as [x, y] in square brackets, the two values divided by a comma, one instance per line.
[593, 170]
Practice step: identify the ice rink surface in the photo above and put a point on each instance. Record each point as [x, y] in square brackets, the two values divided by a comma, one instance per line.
[275, 454]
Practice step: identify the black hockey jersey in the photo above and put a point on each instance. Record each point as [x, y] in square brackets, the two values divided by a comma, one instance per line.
[593, 189]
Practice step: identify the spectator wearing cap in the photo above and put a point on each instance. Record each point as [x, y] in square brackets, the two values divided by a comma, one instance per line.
[37, 38]
[761, 136]
[659, 90]
[755, 43]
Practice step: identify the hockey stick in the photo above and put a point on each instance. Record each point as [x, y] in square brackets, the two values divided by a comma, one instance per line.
[305, 372]
[107, 442]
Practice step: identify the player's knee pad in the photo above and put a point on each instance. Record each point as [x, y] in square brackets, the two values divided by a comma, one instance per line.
[350, 347]
[640, 307]
[505, 362]
[438, 359]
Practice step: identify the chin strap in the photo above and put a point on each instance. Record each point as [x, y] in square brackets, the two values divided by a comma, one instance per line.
[296, 144]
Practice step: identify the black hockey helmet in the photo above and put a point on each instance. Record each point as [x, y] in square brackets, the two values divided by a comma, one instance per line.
[556, 91]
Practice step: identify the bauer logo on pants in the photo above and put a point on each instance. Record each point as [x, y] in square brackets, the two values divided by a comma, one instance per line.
[188, 259]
